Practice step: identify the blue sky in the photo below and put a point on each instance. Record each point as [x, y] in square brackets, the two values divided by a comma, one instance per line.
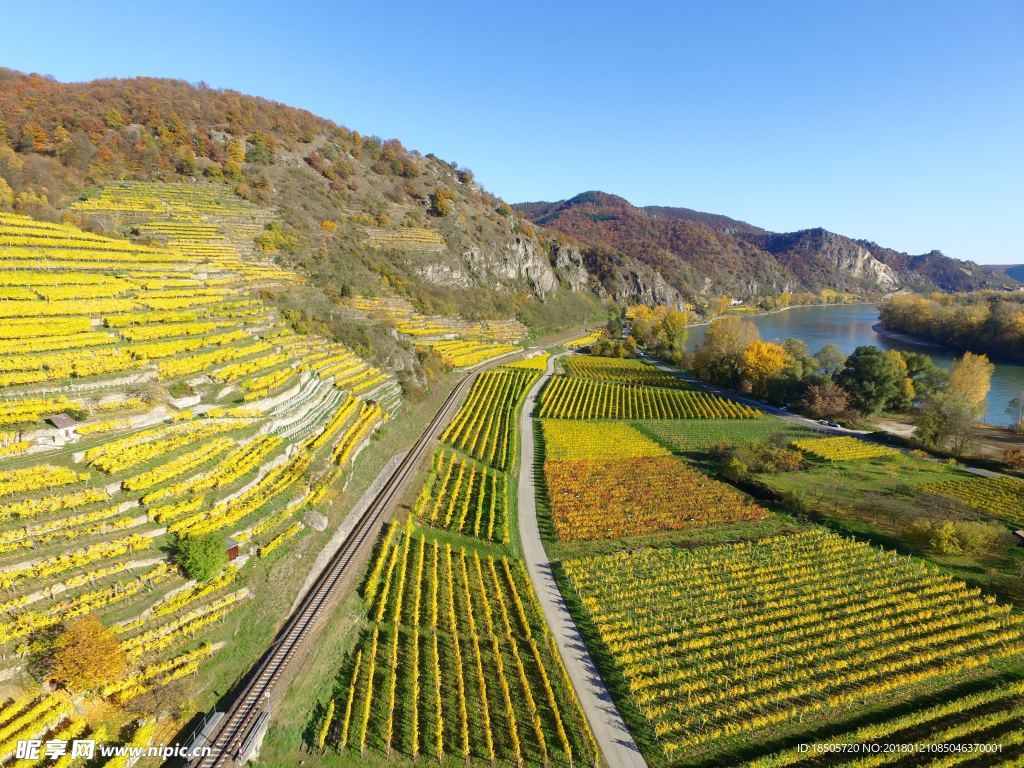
[900, 122]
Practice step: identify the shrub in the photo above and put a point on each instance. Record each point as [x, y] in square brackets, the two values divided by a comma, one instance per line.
[202, 557]
[795, 502]
[978, 537]
[1014, 458]
[86, 654]
[734, 470]
[441, 202]
[957, 537]
[275, 238]
[765, 457]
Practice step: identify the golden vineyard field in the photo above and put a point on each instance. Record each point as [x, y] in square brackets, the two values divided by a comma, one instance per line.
[148, 395]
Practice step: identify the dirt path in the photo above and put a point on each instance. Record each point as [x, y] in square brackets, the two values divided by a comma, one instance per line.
[613, 738]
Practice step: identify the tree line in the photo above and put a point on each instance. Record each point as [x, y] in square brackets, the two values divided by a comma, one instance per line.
[981, 321]
[827, 384]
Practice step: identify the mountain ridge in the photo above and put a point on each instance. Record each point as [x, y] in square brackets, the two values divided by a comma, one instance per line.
[687, 245]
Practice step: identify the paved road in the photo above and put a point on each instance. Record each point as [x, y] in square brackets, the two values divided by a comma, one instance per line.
[610, 732]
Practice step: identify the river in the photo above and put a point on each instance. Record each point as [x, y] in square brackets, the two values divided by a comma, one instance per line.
[850, 326]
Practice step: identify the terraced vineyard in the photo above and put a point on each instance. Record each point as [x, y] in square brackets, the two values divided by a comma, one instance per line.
[533, 363]
[400, 313]
[406, 239]
[458, 342]
[782, 631]
[585, 341]
[148, 395]
[466, 354]
[571, 397]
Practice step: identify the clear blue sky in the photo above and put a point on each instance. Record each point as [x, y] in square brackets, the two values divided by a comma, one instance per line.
[901, 122]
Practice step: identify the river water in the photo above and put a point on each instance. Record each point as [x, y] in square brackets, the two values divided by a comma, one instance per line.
[850, 326]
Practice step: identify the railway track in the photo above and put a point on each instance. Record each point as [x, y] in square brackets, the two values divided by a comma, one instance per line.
[241, 723]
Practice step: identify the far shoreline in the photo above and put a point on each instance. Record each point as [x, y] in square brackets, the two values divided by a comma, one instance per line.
[765, 312]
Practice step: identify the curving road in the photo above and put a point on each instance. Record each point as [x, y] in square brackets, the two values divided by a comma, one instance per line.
[613, 738]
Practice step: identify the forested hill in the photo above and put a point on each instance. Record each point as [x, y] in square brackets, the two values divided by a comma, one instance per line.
[360, 214]
[713, 253]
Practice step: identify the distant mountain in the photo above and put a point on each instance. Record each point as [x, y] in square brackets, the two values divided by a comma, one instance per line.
[700, 252]
[1016, 271]
[713, 220]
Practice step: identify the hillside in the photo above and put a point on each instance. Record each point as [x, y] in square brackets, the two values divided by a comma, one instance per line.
[151, 399]
[359, 214]
[708, 253]
[165, 393]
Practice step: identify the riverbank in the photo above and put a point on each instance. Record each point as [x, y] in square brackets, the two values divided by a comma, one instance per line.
[905, 338]
[849, 326]
[989, 442]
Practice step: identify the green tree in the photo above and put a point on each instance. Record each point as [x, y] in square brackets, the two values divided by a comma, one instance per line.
[671, 338]
[831, 360]
[905, 393]
[927, 377]
[950, 415]
[202, 557]
[873, 378]
[946, 418]
[616, 321]
[802, 363]
[1016, 410]
[719, 357]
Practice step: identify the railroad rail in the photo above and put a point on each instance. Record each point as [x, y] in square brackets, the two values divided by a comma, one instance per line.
[236, 731]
